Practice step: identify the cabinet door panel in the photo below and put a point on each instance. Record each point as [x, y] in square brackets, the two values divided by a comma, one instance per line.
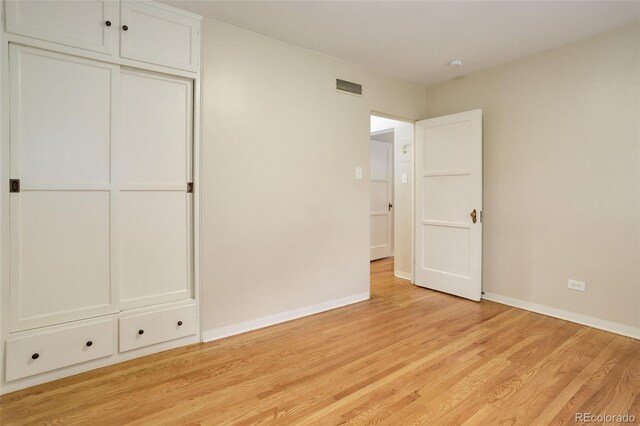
[156, 128]
[61, 252]
[62, 117]
[61, 222]
[80, 24]
[155, 209]
[154, 247]
[159, 36]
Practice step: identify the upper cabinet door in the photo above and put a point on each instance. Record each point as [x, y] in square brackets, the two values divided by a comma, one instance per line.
[90, 24]
[158, 35]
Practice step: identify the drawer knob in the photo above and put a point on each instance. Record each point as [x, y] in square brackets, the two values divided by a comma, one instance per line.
[89, 343]
[35, 356]
[179, 323]
[140, 332]
[125, 28]
[108, 23]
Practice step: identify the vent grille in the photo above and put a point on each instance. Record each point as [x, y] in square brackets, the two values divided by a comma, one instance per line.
[349, 87]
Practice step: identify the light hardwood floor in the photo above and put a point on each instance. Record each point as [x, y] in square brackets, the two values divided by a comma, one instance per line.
[408, 355]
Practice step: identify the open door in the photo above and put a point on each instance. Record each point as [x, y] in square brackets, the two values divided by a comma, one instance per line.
[381, 215]
[448, 203]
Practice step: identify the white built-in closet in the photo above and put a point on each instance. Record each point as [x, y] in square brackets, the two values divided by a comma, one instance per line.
[99, 148]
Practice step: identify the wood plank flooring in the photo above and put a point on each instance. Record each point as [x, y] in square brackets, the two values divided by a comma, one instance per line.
[407, 356]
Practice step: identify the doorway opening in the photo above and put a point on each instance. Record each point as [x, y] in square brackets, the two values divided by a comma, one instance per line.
[426, 202]
[391, 194]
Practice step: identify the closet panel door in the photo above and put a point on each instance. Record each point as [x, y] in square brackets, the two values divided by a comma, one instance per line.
[157, 35]
[61, 220]
[155, 205]
[88, 24]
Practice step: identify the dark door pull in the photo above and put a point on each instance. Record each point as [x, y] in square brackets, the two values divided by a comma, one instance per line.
[14, 185]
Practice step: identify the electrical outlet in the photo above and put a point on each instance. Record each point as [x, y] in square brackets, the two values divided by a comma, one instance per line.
[358, 172]
[577, 285]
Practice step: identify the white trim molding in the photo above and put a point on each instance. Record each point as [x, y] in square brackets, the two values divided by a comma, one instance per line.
[403, 275]
[610, 326]
[243, 327]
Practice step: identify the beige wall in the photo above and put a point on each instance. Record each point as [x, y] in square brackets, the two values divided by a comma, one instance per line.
[561, 173]
[284, 223]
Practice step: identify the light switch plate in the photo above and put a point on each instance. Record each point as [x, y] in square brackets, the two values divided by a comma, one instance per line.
[405, 178]
[358, 172]
[405, 149]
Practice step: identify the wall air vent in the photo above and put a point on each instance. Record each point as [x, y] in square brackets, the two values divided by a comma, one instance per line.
[349, 87]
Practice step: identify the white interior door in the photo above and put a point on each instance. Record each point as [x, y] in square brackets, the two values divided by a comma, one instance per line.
[381, 185]
[448, 202]
[155, 206]
[60, 221]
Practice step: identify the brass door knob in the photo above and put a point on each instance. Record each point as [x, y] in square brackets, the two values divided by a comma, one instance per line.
[474, 216]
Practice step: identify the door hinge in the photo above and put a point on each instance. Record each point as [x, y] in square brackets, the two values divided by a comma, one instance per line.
[481, 216]
[190, 187]
[14, 185]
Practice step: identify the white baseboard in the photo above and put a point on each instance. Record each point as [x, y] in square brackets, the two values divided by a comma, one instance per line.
[610, 326]
[403, 275]
[243, 327]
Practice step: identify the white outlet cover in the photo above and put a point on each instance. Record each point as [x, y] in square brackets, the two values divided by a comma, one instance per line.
[577, 285]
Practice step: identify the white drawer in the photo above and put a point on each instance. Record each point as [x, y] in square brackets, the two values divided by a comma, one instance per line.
[137, 331]
[52, 349]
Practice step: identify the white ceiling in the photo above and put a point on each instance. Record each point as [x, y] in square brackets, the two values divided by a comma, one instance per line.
[415, 40]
